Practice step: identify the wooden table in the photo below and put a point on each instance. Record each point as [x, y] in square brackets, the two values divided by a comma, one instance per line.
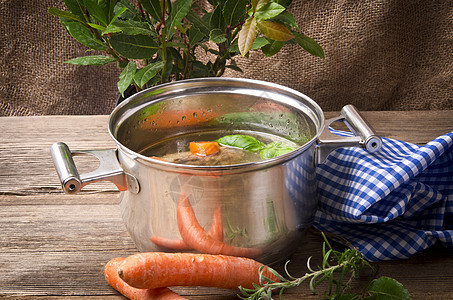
[56, 245]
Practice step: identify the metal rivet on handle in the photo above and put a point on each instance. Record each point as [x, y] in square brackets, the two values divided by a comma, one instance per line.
[132, 184]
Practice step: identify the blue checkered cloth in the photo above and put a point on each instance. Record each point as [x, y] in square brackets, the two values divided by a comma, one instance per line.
[390, 204]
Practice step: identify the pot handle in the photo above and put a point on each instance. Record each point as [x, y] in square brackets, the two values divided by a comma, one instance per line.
[109, 169]
[364, 135]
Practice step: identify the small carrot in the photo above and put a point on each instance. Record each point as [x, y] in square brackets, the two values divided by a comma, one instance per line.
[193, 234]
[159, 269]
[216, 232]
[111, 275]
[204, 148]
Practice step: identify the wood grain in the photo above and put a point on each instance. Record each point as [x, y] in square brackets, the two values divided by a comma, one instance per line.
[55, 246]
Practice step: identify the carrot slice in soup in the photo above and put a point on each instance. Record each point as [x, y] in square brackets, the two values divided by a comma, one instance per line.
[204, 148]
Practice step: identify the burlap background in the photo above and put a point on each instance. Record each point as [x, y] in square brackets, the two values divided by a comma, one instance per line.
[380, 55]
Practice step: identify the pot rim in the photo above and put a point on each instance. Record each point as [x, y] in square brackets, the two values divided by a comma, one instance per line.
[312, 105]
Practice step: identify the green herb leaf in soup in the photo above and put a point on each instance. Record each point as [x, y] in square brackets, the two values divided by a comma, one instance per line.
[245, 142]
[275, 149]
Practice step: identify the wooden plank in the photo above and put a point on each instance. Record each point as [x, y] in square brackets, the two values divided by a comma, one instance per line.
[25, 151]
[53, 248]
[60, 249]
[54, 245]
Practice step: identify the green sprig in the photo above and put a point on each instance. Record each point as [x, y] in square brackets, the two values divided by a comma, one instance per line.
[346, 265]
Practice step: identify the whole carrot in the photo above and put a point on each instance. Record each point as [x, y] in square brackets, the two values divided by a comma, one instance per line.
[193, 234]
[216, 232]
[111, 275]
[159, 269]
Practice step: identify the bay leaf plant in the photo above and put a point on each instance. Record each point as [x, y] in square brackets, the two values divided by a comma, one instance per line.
[158, 41]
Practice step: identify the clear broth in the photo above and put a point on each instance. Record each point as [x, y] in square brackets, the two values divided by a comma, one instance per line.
[176, 149]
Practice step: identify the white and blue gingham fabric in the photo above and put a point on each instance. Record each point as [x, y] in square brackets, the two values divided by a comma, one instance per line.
[390, 204]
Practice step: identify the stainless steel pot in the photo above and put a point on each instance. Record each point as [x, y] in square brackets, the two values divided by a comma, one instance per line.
[265, 205]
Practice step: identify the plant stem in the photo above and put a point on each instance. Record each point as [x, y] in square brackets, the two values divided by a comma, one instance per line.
[164, 43]
[298, 281]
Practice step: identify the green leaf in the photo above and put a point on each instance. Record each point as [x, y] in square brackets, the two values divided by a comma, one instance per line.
[96, 26]
[269, 10]
[96, 11]
[245, 142]
[234, 47]
[257, 4]
[195, 36]
[234, 11]
[259, 42]
[253, 4]
[153, 8]
[76, 7]
[130, 14]
[134, 46]
[198, 23]
[112, 28]
[178, 12]
[308, 44]
[64, 14]
[175, 44]
[143, 75]
[275, 149]
[168, 65]
[126, 77]
[247, 36]
[110, 10]
[388, 288]
[199, 70]
[175, 53]
[285, 3]
[129, 27]
[216, 21]
[83, 35]
[93, 60]
[217, 36]
[287, 18]
[118, 14]
[274, 31]
[272, 48]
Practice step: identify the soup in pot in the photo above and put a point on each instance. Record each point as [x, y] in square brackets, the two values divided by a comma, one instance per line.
[217, 148]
